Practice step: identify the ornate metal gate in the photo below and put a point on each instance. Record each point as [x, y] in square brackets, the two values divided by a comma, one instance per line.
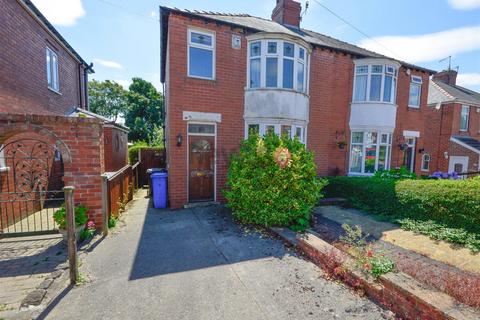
[31, 182]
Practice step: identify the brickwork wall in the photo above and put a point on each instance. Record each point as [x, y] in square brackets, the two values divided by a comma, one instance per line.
[79, 140]
[23, 75]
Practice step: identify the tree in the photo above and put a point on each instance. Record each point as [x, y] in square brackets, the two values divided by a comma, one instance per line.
[107, 98]
[144, 116]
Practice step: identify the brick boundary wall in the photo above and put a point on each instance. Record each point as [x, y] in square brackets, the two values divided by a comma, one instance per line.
[80, 142]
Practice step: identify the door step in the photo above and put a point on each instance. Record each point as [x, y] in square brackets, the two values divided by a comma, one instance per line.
[201, 204]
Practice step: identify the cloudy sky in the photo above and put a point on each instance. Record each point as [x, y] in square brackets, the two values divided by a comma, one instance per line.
[121, 37]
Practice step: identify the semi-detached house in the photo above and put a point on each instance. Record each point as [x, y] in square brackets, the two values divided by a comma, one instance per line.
[226, 75]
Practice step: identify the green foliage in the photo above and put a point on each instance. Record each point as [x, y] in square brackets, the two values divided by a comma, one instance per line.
[273, 190]
[107, 98]
[442, 209]
[353, 236]
[87, 233]
[133, 151]
[81, 216]
[379, 265]
[144, 114]
[112, 222]
[398, 173]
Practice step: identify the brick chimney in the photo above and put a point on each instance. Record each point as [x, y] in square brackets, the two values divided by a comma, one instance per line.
[287, 12]
[446, 76]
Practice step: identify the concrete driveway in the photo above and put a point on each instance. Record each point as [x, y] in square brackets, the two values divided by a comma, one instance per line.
[198, 264]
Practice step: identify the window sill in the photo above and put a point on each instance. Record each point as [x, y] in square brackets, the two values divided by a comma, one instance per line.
[414, 107]
[55, 91]
[200, 78]
[277, 89]
[374, 102]
[4, 169]
[358, 174]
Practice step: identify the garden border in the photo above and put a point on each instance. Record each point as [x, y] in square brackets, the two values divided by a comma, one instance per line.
[398, 291]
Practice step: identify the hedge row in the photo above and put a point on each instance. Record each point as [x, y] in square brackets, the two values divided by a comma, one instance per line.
[454, 202]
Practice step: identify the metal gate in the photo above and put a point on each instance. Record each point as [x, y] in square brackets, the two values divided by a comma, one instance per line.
[31, 187]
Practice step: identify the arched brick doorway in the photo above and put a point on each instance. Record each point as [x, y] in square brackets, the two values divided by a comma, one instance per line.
[31, 183]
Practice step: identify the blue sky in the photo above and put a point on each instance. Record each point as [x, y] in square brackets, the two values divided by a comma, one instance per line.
[121, 37]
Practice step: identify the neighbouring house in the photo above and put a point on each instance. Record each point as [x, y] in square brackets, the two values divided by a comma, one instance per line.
[48, 138]
[226, 75]
[459, 128]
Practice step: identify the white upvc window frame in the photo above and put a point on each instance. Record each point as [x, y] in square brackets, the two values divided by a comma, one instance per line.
[427, 169]
[280, 58]
[51, 61]
[3, 160]
[378, 144]
[262, 126]
[467, 120]
[387, 70]
[211, 47]
[418, 82]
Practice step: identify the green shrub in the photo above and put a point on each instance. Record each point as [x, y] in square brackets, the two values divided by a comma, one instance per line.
[133, 151]
[273, 182]
[81, 216]
[397, 173]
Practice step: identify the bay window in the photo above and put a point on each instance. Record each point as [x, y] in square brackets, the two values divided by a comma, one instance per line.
[369, 152]
[201, 54]
[415, 92]
[375, 83]
[292, 131]
[277, 64]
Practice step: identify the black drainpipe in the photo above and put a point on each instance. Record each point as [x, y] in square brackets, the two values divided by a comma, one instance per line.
[80, 84]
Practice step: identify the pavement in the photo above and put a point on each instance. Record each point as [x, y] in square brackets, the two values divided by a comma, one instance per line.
[198, 264]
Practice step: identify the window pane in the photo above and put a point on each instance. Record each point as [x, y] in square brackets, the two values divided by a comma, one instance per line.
[371, 137]
[382, 158]
[288, 73]
[370, 158]
[49, 69]
[387, 90]
[356, 159]
[287, 130]
[426, 162]
[301, 53]
[384, 138]
[201, 38]
[298, 133]
[253, 129]
[357, 137]
[269, 129]
[300, 76]
[255, 49]
[272, 47]
[272, 72]
[360, 88]
[375, 86]
[464, 118]
[414, 99]
[201, 62]
[394, 87]
[55, 71]
[201, 128]
[255, 73]
[362, 69]
[377, 69]
[288, 49]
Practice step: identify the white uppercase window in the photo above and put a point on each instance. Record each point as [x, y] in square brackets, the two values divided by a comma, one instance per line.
[201, 54]
[415, 92]
[375, 83]
[465, 114]
[52, 69]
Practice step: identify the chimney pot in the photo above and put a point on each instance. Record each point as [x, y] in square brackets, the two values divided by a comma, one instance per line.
[287, 12]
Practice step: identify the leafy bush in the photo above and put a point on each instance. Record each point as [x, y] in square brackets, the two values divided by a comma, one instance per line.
[273, 182]
[81, 216]
[442, 209]
[397, 173]
[133, 151]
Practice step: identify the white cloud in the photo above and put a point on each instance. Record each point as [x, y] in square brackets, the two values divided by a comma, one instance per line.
[427, 47]
[108, 63]
[61, 12]
[464, 4]
[153, 14]
[124, 83]
[468, 79]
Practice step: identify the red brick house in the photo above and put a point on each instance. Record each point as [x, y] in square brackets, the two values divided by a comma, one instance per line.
[227, 74]
[44, 141]
[459, 129]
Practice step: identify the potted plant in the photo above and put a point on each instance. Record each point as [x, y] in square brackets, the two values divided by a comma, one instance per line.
[341, 144]
[81, 218]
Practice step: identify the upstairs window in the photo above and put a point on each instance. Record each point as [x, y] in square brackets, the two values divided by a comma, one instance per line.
[52, 70]
[201, 54]
[465, 114]
[277, 64]
[415, 92]
[376, 83]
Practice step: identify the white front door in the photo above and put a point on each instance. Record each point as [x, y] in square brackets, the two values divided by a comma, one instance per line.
[458, 164]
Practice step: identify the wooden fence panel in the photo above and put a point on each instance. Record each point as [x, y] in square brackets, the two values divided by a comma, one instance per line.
[150, 158]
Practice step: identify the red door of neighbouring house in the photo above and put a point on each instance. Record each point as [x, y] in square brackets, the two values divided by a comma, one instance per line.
[201, 168]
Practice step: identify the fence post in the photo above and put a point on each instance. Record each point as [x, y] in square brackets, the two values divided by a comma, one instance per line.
[105, 204]
[71, 232]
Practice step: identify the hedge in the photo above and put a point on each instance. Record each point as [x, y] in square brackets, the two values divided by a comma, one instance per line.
[453, 202]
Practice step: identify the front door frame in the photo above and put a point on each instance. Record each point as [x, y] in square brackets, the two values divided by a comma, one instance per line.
[214, 156]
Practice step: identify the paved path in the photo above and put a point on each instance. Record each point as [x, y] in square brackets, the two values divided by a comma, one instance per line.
[197, 264]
